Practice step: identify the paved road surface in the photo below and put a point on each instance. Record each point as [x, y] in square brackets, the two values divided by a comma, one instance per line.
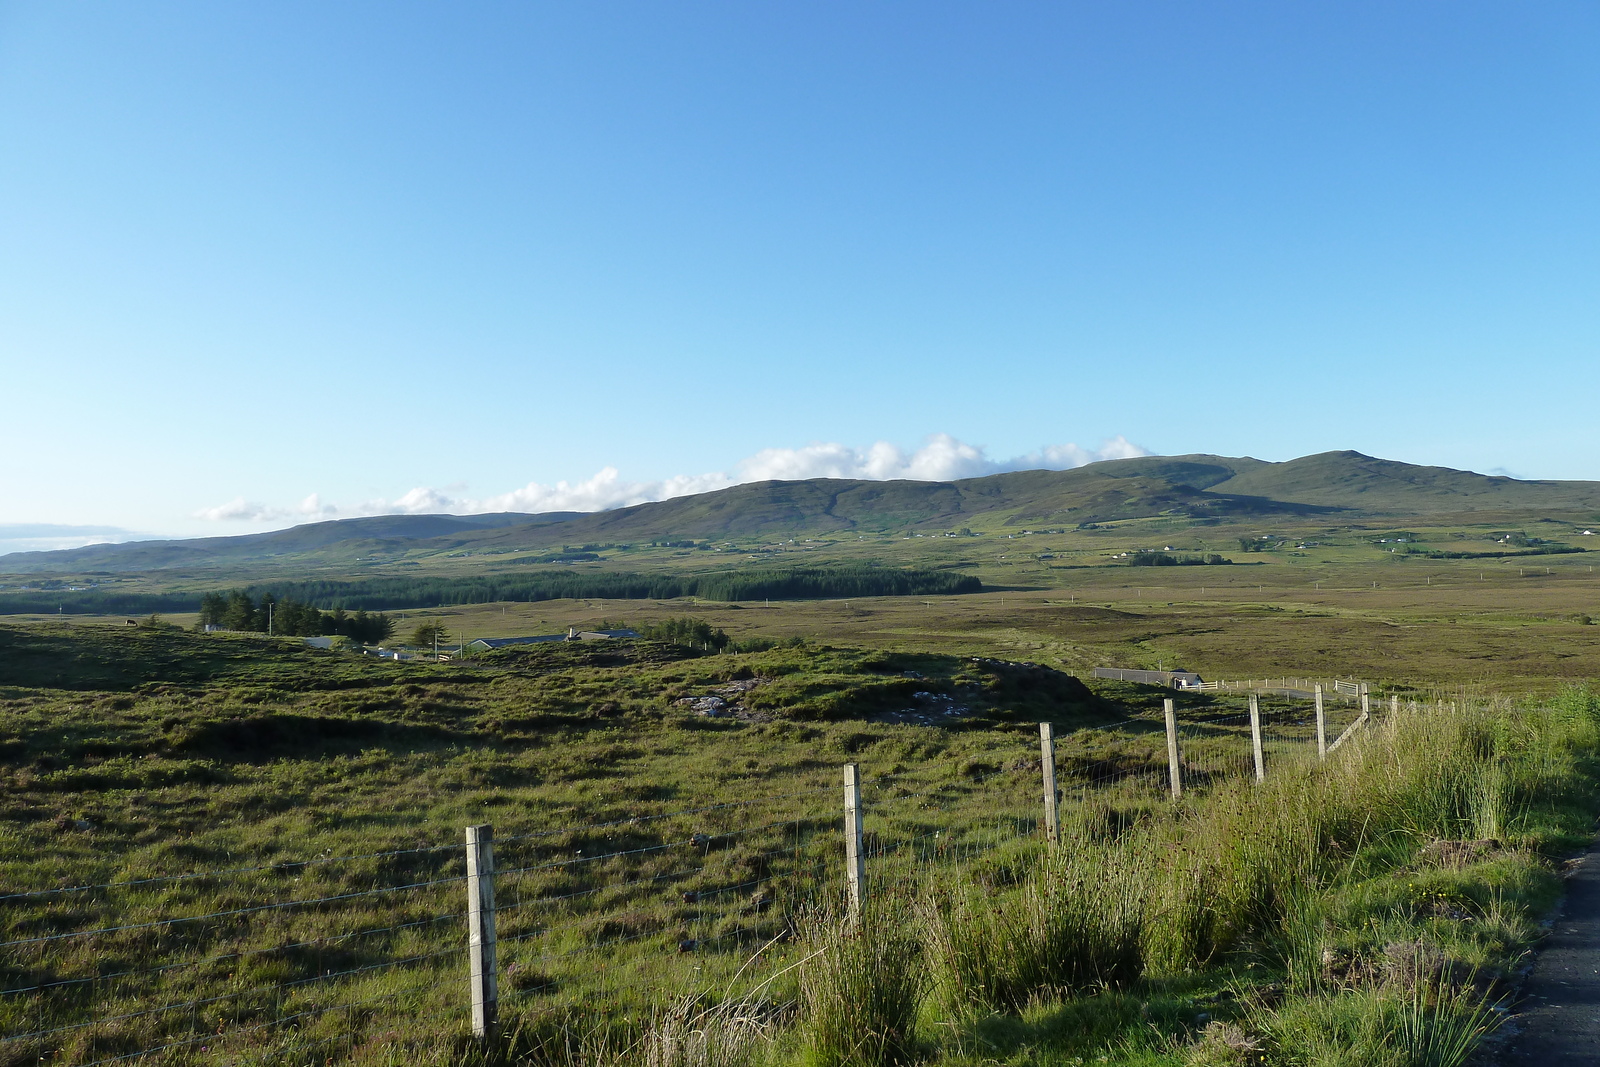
[1559, 1018]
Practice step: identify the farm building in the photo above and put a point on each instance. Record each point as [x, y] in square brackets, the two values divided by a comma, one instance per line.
[1172, 679]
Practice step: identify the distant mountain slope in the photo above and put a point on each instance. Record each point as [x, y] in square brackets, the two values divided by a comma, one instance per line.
[372, 533]
[1097, 492]
[1349, 484]
[1353, 480]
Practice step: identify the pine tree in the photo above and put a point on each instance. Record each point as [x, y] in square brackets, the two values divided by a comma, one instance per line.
[240, 613]
[427, 633]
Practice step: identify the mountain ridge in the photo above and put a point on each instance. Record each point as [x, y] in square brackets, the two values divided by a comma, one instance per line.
[1198, 486]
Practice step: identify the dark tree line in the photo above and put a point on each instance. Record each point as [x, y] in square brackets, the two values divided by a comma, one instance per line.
[94, 602]
[383, 594]
[237, 610]
[1161, 559]
[793, 584]
[1546, 550]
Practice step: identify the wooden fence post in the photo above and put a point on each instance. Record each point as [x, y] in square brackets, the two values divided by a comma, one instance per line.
[480, 932]
[1322, 724]
[1394, 703]
[854, 861]
[1255, 737]
[1047, 764]
[1174, 770]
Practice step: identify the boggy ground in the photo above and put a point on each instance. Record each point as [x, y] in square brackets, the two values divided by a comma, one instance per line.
[1479, 626]
[1363, 600]
[654, 852]
[283, 774]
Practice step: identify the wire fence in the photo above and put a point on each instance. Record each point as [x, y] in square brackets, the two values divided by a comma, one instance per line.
[331, 952]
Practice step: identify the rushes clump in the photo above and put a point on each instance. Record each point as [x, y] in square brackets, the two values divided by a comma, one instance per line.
[1488, 801]
[862, 990]
[1075, 926]
[1086, 916]
[1427, 1025]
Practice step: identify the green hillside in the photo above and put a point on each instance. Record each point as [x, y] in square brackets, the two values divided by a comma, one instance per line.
[1341, 488]
[1343, 484]
[1380, 486]
[348, 537]
[1100, 492]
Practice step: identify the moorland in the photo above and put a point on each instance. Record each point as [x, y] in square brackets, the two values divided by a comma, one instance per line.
[670, 813]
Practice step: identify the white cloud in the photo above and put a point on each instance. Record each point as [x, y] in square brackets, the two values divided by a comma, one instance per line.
[1065, 457]
[240, 510]
[940, 458]
[419, 501]
[602, 492]
[313, 507]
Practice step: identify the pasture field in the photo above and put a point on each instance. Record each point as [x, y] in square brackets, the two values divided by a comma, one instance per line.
[670, 872]
[1450, 629]
[1449, 624]
[1363, 600]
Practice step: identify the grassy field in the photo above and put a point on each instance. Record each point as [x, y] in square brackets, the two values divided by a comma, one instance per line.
[1360, 599]
[266, 837]
[132, 754]
[1448, 624]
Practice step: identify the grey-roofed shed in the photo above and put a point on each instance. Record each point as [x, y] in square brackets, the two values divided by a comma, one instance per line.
[1171, 679]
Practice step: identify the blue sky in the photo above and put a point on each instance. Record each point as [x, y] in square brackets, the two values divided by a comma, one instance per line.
[264, 263]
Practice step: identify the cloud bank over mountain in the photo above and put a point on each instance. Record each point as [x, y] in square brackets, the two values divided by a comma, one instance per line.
[48, 536]
[940, 458]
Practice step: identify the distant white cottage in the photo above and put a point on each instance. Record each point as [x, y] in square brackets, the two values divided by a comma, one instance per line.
[485, 644]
